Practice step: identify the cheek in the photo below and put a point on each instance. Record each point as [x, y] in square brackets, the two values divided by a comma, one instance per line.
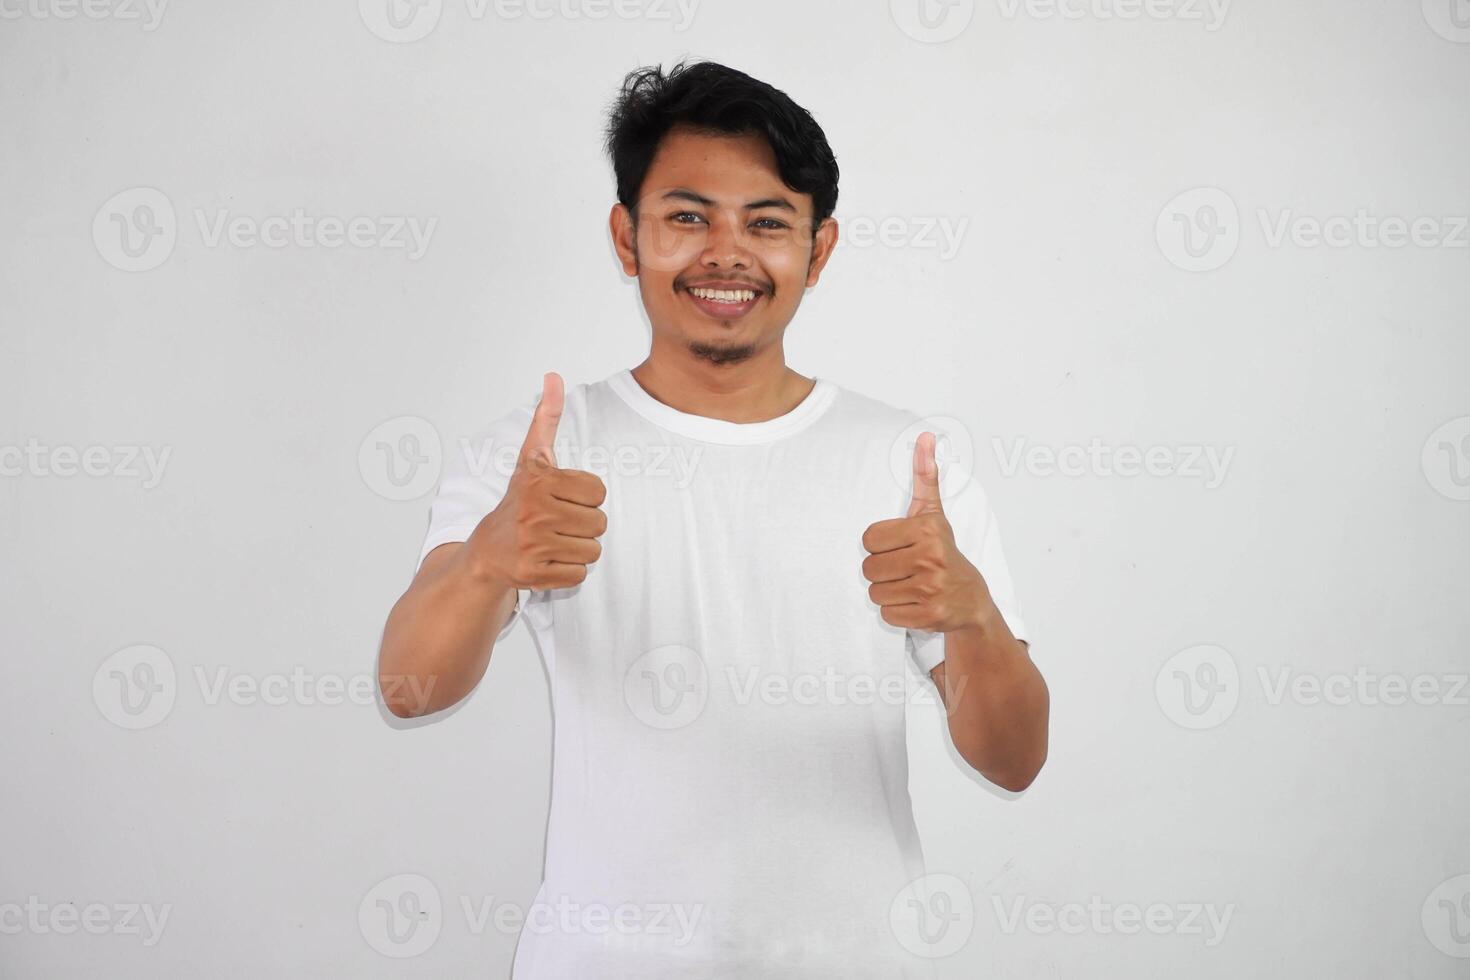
[667, 250]
[787, 268]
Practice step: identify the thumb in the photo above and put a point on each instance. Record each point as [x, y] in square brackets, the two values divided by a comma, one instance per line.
[925, 499]
[540, 438]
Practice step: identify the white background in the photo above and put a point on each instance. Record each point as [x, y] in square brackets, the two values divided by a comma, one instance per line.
[1335, 542]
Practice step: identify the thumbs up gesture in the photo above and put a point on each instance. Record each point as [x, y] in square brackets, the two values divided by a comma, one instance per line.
[544, 532]
[919, 577]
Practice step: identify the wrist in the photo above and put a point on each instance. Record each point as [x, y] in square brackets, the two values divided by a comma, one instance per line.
[478, 572]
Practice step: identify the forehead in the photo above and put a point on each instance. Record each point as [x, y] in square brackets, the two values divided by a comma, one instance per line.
[720, 166]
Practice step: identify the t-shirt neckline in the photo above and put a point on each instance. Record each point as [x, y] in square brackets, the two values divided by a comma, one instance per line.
[708, 429]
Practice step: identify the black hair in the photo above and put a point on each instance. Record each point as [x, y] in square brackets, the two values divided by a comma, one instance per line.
[714, 98]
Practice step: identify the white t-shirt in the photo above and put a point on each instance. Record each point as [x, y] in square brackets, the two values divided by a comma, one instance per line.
[730, 784]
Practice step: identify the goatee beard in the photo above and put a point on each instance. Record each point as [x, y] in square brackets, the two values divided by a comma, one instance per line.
[721, 354]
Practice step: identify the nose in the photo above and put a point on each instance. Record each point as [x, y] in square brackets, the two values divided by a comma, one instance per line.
[725, 244]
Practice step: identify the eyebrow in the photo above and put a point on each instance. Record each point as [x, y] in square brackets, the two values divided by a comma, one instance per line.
[766, 202]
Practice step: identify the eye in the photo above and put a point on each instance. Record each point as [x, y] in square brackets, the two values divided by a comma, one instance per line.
[771, 224]
[679, 216]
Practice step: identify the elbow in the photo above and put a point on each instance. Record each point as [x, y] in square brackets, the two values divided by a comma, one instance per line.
[1017, 781]
[402, 694]
[1012, 774]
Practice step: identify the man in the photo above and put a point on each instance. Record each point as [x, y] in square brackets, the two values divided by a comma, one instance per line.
[725, 609]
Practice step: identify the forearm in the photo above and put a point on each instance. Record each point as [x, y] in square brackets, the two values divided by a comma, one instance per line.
[439, 635]
[997, 702]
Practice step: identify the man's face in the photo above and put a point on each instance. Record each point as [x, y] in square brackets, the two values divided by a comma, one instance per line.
[723, 250]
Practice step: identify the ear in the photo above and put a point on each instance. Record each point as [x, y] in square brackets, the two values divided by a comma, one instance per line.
[823, 242]
[624, 238]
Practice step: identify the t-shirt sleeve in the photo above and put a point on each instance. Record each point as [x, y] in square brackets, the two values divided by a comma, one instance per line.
[476, 472]
[978, 537]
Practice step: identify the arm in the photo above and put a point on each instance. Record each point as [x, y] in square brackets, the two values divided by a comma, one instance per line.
[997, 703]
[541, 534]
[996, 700]
[438, 639]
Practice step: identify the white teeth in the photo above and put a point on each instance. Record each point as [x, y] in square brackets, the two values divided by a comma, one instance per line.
[725, 295]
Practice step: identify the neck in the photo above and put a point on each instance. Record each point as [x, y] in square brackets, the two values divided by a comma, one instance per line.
[756, 389]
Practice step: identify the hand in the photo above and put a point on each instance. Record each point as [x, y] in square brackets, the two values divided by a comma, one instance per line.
[544, 533]
[920, 578]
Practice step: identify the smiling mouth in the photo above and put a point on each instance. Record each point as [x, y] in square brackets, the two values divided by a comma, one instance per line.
[724, 304]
